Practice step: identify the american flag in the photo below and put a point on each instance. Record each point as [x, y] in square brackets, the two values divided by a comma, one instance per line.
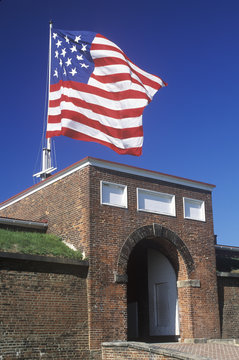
[96, 93]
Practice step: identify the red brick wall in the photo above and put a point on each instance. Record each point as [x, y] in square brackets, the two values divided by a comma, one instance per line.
[43, 314]
[72, 207]
[228, 294]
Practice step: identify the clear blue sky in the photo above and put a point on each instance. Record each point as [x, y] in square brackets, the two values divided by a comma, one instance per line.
[190, 128]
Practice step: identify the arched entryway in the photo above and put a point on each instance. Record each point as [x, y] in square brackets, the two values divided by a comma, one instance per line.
[149, 260]
[152, 292]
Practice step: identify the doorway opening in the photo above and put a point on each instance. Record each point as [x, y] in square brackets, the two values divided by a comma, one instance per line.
[152, 292]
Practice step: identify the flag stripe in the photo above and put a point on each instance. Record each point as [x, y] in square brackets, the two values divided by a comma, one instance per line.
[150, 82]
[66, 87]
[115, 87]
[133, 150]
[115, 78]
[105, 66]
[100, 43]
[95, 99]
[90, 131]
[102, 40]
[119, 133]
[107, 57]
[96, 46]
[106, 53]
[126, 118]
[154, 78]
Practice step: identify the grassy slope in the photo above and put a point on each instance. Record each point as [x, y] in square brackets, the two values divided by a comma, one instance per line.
[35, 243]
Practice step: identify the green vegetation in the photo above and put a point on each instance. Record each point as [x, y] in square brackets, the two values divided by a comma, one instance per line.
[35, 244]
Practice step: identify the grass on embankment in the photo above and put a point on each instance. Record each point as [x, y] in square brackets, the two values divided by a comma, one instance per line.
[35, 244]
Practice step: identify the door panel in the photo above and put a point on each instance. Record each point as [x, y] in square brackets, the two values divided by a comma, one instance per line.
[162, 290]
[162, 314]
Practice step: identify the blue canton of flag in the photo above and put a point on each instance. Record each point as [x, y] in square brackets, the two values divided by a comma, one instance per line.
[71, 59]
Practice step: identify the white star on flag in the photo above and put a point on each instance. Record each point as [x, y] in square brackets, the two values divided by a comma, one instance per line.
[58, 44]
[83, 65]
[83, 47]
[73, 49]
[68, 62]
[73, 72]
[63, 52]
[77, 38]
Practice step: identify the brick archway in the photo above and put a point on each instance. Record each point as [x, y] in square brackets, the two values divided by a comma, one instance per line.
[156, 231]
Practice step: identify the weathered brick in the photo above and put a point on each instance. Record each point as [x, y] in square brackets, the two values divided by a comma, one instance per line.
[43, 313]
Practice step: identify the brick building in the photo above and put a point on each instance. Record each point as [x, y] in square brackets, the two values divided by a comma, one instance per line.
[150, 244]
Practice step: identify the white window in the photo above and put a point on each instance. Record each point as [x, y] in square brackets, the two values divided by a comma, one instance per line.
[194, 209]
[156, 202]
[113, 194]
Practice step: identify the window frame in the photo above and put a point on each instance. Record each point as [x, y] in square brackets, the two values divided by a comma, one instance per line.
[165, 195]
[202, 209]
[125, 194]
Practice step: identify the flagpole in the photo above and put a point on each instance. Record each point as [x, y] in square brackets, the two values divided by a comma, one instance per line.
[46, 155]
[46, 151]
[49, 81]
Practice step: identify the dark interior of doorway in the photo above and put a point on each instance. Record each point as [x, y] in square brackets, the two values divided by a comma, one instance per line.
[137, 292]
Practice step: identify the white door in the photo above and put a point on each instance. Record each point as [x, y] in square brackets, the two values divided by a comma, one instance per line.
[163, 302]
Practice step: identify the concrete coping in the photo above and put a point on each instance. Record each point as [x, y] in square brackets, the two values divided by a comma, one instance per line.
[43, 264]
[37, 225]
[227, 274]
[44, 259]
[153, 349]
